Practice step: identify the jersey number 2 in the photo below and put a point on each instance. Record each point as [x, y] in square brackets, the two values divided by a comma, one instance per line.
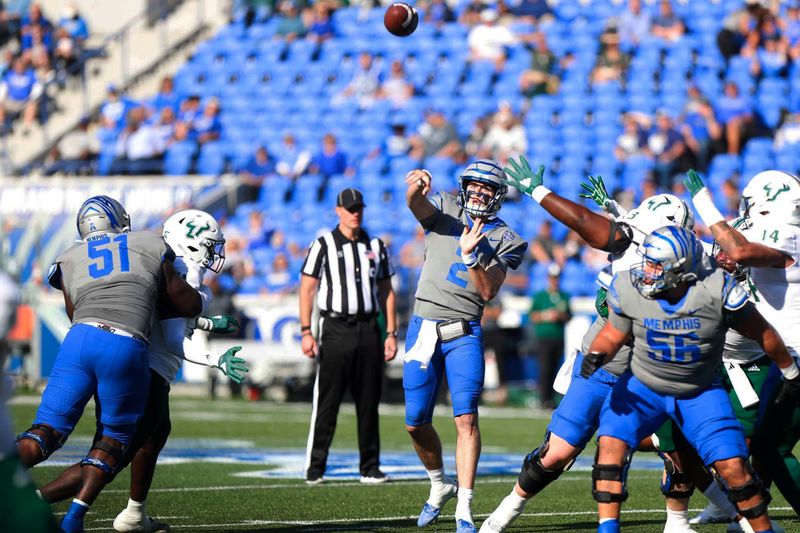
[102, 251]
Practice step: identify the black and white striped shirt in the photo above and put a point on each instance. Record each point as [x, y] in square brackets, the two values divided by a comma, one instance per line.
[348, 272]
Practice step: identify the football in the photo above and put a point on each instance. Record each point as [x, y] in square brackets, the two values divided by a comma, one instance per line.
[401, 19]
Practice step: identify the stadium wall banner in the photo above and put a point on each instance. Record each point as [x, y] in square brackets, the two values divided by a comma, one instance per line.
[54, 196]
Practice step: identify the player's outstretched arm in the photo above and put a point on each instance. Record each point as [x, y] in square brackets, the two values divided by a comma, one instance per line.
[750, 323]
[419, 186]
[732, 242]
[594, 228]
[217, 324]
[184, 299]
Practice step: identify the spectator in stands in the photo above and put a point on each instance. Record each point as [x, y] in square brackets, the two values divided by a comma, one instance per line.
[253, 172]
[74, 24]
[470, 15]
[738, 26]
[612, 63]
[791, 28]
[665, 145]
[632, 140]
[19, 92]
[438, 13]
[37, 48]
[771, 58]
[292, 161]
[540, 78]
[488, 40]
[207, 126]
[788, 132]
[549, 313]
[435, 136]
[396, 88]
[731, 199]
[165, 97]
[164, 126]
[67, 54]
[633, 25]
[533, 11]
[544, 248]
[321, 28]
[115, 109]
[699, 128]
[573, 246]
[667, 25]
[34, 18]
[190, 109]
[290, 24]
[76, 151]
[734, 113]
[397, 144]
[330, 161]
[11, 18]
[139, 149]
[506, 136]
[280, 279]
[365, 83]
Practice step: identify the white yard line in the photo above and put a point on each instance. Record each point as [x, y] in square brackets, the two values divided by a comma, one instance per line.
[246, 523]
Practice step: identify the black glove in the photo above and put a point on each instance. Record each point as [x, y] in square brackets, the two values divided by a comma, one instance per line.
[790, 391]
[592, 361]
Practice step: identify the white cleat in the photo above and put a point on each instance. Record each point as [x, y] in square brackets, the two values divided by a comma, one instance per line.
[127, 522]
[492, 525]
[711, 515]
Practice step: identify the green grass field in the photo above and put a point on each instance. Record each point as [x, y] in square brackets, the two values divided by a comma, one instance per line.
[207, 492]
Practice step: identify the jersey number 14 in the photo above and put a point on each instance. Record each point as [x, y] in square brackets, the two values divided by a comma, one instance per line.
[107, 254]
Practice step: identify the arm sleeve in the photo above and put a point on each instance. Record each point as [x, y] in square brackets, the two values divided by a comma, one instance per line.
[315, 260]
[438, 202]
[54, 276]
[385, 268]
[617, 245]
[621, 322]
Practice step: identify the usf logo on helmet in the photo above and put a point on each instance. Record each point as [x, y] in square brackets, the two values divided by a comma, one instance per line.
[670, 256]
[488, 173]
[195, 235]
[772, 193]
[101, 215]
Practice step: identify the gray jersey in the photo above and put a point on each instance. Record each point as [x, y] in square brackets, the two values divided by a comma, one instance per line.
[619, 364]
[677, 349]
[114, 280]
[445, 290]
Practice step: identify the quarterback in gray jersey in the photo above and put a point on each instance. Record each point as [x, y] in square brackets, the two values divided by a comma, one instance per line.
[111, 281]
[468, 250]
[677, 307]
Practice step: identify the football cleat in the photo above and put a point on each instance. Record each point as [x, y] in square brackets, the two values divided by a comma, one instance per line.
[711, 515]
[678, 529]
[375, 478]
[734, 527]
[491, 526]
[430, 512]
[462, 526]
[127, 522]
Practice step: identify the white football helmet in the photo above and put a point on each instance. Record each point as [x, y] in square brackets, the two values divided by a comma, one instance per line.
[660, 210]
[772, 193]
[486, 172]
[195, 235]
[101, 215]
[671, 255]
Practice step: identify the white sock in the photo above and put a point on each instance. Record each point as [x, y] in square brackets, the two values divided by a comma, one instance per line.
[464, 507]
[603, 520]
[745, 525]
[135, 507]
[677, 518]
[509, 509]
[436, 476]
[717, 496]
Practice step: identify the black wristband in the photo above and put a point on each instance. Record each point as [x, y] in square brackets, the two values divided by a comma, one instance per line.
[305, 328]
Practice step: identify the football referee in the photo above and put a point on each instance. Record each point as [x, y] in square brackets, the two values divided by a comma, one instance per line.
[350, 275]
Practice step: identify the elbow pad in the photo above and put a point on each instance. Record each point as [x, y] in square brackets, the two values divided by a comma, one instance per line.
[618, 245]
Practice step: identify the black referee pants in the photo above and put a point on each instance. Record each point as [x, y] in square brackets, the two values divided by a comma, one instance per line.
[350, 355]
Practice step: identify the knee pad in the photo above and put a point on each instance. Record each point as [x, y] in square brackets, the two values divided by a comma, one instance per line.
[48, 441]
[754, 487]
[674, 477]
[113, 451]
[534, 477]
[611, 473]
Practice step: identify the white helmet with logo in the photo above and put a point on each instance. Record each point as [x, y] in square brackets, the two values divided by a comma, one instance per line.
[772, 193]
[195, 235]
